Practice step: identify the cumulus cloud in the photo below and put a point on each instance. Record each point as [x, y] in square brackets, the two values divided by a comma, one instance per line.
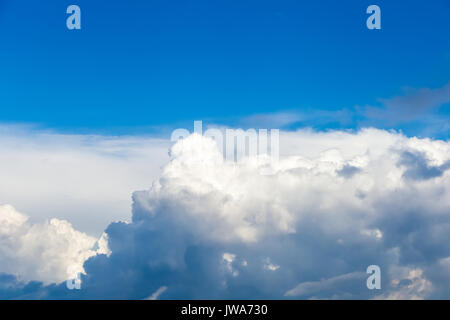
[48, 252]
[209, 228]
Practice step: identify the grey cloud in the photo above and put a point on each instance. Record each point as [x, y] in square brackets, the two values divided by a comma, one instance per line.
[418, 101]
[414, 105]
[348, 171]
[417, 167]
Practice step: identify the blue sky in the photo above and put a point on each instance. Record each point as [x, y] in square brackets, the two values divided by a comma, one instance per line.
[137, 65]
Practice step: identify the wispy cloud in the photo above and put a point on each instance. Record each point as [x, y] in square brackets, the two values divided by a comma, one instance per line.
[413, 104]
[416, 111]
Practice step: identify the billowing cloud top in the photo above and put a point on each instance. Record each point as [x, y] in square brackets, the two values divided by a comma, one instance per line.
[337, 203]
[50, 252]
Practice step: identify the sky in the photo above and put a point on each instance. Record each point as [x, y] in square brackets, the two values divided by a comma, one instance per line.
[93, 189]
[140, 65]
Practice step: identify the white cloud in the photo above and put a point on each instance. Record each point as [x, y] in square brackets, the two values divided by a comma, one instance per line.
[225, 201]
[374, 209]
[320, 220]
[49, 252]
[411, 285]
[157, 293]
[86, 179]
[228, 259]
[268, 265]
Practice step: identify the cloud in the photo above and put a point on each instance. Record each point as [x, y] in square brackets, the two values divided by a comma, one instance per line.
[418, 111]
[417, 101]
[157, 293]
[308, 289]
[418, 167]
[415, 105]
[348, 171]
[273, 120]
[408, 284]
[209, 228]
[86, 179]
[48, 252]
[293, 119]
